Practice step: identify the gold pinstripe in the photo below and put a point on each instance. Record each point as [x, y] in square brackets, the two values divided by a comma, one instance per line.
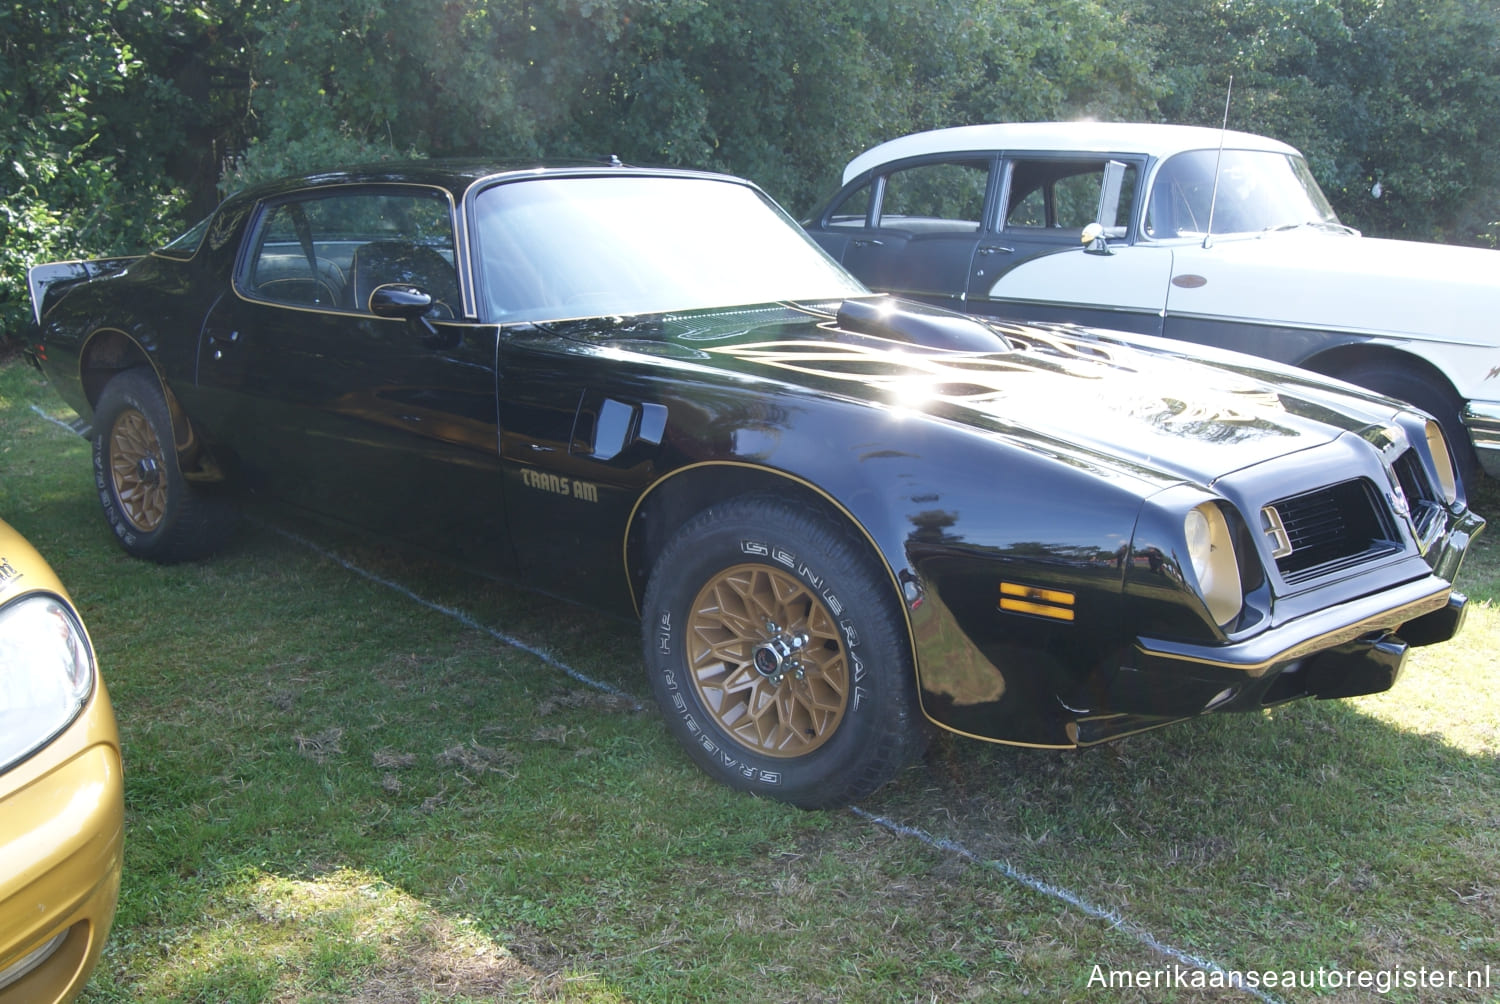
[895, 585]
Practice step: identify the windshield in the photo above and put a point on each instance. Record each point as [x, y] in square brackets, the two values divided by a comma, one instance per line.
[569, 247]
[1258, 190]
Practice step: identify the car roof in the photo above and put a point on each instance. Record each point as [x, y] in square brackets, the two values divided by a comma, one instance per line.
[1152, 139]
[456, 175]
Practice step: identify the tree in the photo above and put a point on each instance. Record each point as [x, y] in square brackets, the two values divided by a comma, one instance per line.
[122, 120]
[110, 112]
[1399, 94]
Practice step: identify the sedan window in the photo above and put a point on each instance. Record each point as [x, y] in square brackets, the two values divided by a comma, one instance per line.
[936, 197]
[853, 210]
[1244, 191]
[1065, 195]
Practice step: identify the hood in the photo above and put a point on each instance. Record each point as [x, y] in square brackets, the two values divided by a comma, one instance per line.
[1136, 406]
[1340, 282]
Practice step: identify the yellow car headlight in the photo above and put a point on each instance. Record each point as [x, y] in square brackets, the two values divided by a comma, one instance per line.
[46, 674]
[1210, 548]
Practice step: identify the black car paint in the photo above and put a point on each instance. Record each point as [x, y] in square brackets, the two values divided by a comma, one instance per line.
[602, 433]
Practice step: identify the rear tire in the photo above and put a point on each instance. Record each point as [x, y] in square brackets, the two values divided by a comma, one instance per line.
[1432, 396]
[779, 655]
[154, 511]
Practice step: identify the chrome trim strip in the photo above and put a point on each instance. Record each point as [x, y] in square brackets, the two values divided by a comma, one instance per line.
[1393, 338]
[1323, 629]
[1482, 419]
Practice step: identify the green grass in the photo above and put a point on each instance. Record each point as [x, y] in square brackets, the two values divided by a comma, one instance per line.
[336, 794]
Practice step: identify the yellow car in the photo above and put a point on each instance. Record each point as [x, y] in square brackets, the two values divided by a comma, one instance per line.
[62, 802]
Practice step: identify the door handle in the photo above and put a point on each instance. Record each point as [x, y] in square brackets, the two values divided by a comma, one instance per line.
[997, 249]
[215, 341]
[865, 242]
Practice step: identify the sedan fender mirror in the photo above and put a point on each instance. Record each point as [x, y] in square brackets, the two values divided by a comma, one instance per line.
[1093, 240]
[1110, 186]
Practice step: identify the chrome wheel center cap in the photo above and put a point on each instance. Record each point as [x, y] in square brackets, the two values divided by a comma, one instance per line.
[768, 659]
[776, 657]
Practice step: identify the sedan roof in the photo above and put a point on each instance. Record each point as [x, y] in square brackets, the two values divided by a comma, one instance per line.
[1154, 140]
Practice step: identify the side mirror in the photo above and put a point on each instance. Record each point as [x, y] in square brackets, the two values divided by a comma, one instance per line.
[409, 303]
[399, 301]
[1093, 240]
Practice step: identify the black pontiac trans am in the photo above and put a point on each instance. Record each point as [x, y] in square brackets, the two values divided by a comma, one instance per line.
[838, 517]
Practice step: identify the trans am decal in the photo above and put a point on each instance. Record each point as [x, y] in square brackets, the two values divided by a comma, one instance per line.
[544, 481]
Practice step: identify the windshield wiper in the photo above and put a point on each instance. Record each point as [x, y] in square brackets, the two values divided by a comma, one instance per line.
[1328, 225]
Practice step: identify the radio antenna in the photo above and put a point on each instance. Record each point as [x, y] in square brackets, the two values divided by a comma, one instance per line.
[1213, 197]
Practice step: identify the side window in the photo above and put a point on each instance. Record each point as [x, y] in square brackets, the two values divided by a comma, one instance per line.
[1064, 195]
[1077, 199]
[332, 251]
[854, 209]
[936, 197]
[1028, 208]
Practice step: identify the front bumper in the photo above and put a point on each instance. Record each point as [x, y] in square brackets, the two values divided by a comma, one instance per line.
[61, 840]
[1347, 650]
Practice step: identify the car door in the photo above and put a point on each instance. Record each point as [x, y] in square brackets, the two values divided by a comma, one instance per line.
[580, 407]
[382, 422]
[913, 230]
[1034, 266]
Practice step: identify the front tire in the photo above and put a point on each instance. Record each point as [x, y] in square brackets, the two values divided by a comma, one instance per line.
[154, 511]
[779, 655]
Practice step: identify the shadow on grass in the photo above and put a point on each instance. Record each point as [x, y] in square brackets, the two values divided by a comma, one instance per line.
[1313, 834]
[295, 733]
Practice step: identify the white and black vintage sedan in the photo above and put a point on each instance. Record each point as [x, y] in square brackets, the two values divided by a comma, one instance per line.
[1219, 238]
[839, 517]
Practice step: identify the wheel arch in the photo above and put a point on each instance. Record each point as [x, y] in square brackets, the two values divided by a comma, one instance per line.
[1439, 396]
[675, 498]
[109, 352]
[106, 352]
[1342, 358]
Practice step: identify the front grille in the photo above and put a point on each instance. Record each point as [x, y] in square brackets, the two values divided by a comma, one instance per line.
[1333, 528]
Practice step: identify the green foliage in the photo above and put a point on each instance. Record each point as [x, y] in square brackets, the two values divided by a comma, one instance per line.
[1399, 94]
[56, 173]
[121, 121]
[746, 88]
[109, 111]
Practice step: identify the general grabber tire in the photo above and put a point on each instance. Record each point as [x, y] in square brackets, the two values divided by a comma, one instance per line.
[152, 509]
[779, 655]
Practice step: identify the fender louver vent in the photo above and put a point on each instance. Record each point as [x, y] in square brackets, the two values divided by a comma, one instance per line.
[1333, 528]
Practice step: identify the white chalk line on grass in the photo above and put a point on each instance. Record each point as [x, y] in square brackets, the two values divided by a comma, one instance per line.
[1004, 868]
[55, 421]
[1074, 900]
[457, 615]
[461, 617]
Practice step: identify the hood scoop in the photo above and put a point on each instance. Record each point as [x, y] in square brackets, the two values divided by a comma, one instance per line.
[919, 324]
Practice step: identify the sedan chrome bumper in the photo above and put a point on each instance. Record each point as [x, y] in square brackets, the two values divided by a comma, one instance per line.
[1482, 419]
